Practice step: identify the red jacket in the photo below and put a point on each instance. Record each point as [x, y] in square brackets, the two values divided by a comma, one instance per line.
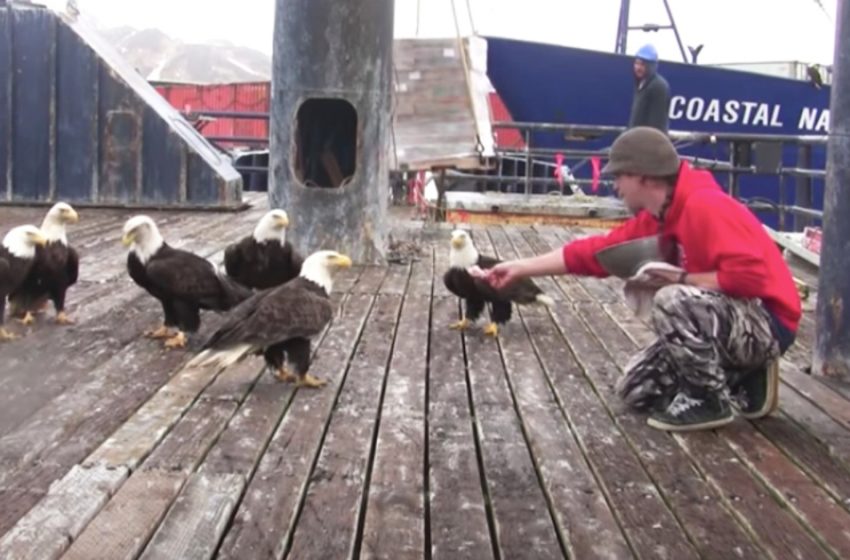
[714, 233]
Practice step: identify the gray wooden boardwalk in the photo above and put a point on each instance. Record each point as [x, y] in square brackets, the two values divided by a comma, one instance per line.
[425, 443]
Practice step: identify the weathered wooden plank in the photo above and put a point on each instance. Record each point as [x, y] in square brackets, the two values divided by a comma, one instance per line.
[832, 435]
[236, 381]
[394, 525]
[264, 516]
[823, 397]
[335, 492]
[123, 527]
[458, 518]
[396, 281]
[195, 524]
[134, 441]
[778, 531]
[69, 505]
[240, 446]
[370, 281]
[523, 521]
[440, 241]
[185, 446]
[810, 503]
[584, 516]
[580, 372]
[422, 274]
[81, 417]
[808, 454]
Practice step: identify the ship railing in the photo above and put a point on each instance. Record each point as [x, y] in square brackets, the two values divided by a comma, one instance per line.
[748, 154]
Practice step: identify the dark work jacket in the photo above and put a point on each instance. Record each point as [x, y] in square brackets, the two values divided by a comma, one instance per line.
[651, 104]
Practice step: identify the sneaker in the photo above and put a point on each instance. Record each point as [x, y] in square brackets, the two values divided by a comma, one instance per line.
[758, 394]
[689, 413]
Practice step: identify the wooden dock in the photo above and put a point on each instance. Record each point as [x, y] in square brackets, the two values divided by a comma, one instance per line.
[425, 443]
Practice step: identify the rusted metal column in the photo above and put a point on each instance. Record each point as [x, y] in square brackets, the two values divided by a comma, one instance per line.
[330, 111]
[831, 356]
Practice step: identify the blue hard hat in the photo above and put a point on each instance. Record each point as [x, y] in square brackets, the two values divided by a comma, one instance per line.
[648, 53]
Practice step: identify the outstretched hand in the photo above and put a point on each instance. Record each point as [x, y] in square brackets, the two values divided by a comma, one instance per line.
[500, 276]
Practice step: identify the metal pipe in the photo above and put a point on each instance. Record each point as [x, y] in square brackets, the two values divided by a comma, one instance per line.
[675, 135]
[831, 352]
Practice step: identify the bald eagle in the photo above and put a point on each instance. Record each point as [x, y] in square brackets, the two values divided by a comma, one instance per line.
[183, 282]
[54, 269]
[477, 293]
[264, 259]
[17, 254]
[280, 322]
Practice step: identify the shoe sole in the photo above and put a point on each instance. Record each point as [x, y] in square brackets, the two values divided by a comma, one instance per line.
[690, 427]
[772, 400]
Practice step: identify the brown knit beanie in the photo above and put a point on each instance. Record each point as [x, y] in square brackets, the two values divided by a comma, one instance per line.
[642, 151]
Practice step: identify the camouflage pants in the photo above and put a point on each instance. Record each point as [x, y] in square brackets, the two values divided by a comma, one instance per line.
[706, 342]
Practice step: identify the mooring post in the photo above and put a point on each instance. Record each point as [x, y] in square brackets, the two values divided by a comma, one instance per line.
[831, 355]
[330, 110]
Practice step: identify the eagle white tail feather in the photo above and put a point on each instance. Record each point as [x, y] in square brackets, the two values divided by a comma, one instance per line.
[545, 300]
[219, 358]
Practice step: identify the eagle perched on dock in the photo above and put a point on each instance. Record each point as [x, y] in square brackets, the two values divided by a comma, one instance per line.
[264, 259]
[280, 322]
[183, 282]
[17, 253]
[54, 270]
[477, 293]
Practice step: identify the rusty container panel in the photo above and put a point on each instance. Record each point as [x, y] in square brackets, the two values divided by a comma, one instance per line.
[78, 123]
[76, 118]
[34, 33]
[164, 162]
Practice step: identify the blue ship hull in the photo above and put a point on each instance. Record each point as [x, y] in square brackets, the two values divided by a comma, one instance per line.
[553, 84]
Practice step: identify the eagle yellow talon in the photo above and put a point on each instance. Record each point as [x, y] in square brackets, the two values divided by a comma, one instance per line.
[6, 335]
[460, 325]
[310, 381]
[63, 319]
[285, 375]
[491, 330]
[176, 341]
[27, 319]
[161, 332]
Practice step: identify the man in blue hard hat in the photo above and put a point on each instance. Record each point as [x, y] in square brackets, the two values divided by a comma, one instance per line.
[651, 103]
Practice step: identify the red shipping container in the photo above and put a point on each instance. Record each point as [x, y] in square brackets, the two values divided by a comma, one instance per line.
[248, 97]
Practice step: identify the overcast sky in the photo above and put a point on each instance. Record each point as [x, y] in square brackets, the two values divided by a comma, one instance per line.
[731, 30]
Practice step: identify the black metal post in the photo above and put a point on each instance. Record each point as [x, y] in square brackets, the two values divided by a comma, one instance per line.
[622, 28]
[831, 355]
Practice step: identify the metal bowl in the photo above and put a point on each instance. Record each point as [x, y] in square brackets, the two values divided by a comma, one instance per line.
[623, 260]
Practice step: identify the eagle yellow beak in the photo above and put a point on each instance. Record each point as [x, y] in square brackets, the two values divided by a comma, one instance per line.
[71, 216]
[38, 239]
[128, 239]
[283, 221]
[457, 242]
[342, 261]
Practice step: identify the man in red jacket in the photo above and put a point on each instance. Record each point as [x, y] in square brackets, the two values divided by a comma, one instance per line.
[723, 323]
